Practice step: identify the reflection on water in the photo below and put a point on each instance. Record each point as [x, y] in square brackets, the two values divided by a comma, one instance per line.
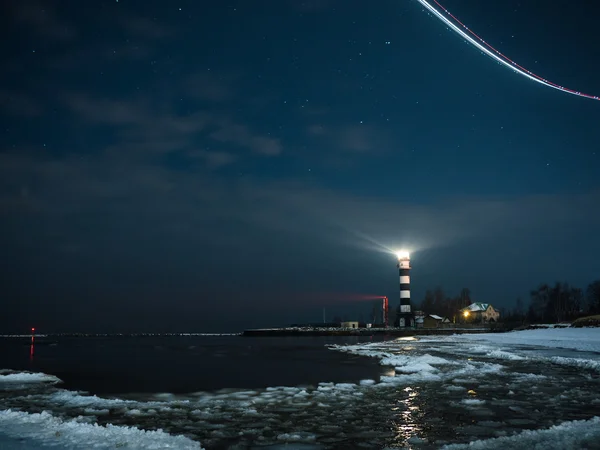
[408, 423]
[388, 371]
[123, 365]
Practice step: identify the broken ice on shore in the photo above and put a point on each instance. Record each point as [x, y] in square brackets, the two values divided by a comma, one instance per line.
[512, 390]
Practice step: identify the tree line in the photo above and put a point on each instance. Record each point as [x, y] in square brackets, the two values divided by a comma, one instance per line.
[437, 302]
[547, 304]
[558, 303]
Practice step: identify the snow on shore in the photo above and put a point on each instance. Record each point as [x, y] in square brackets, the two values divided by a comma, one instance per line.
[582, 339]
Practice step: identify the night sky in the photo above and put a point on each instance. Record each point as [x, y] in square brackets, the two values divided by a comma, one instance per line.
[211, 166]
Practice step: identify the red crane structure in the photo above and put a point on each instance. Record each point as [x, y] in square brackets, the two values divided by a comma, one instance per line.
[385, 312]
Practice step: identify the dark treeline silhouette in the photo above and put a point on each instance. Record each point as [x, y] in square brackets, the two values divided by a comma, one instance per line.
[437, 302]
[560, 302]
[547, 304]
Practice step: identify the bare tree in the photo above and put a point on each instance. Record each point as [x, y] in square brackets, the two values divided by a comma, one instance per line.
[427, 305]
[593, 297]
[376, 312]
[575, 302]
[556, 298]
[453, 306]
[540, 300]
[465, 297]
[439, 300]
[519, 309]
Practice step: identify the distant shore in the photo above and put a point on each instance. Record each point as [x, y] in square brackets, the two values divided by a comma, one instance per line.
[397, 332]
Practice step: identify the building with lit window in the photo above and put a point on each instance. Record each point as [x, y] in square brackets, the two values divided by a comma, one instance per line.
[480, 312]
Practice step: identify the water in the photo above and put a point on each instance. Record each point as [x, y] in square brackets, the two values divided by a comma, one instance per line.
[180, 364]
[241, 393]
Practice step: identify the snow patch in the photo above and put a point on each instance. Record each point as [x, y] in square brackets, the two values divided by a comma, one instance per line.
[472, 402]
[300, 437]
[577, 362]
[413, 360]
[582, 339]
[8, 376]
[575, 434]
[43, 429]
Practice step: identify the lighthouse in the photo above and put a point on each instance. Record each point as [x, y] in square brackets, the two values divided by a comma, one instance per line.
[405, 316]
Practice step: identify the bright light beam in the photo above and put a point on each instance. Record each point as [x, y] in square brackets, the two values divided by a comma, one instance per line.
[402, 254]
[486, 48]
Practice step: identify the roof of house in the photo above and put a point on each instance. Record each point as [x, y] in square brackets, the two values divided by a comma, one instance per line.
[436, 317]
[474, 307]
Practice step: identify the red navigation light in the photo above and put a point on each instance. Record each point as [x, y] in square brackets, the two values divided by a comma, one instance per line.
[32, 329]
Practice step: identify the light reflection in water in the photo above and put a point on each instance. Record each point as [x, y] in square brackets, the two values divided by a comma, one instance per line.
[409, 421]
[31, 348]
[388, 371]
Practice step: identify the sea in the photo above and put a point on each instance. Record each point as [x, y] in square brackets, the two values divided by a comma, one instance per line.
[234, 392]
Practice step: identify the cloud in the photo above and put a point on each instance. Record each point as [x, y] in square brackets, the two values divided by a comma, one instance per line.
[214, 159]
[126, 51]
[230, 132]
[317, 130]
[15, 103]
[122, 190]
[146, 28]
[310, 6]
[135, 219]
[351, 138]
[143, 128]
[41, 18]
[356, 139]
[211, 87]
[106, 111]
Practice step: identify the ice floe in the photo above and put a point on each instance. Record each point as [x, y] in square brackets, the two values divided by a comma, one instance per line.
[567, 435]
[45, 430]
[12, 377]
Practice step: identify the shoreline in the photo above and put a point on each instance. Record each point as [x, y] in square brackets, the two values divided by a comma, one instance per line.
[396, 332]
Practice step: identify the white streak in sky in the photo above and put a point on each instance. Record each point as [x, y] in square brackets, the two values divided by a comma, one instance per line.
[492, 52]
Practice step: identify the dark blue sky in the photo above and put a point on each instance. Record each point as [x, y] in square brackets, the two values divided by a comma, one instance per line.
[196, 166]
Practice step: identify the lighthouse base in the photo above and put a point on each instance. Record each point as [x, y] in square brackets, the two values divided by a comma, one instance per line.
[406, 321]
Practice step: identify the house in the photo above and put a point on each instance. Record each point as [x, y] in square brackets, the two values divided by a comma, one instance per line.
[433, 321]
[349, 324]
[419, 317]
[420, 314]
[480, 312]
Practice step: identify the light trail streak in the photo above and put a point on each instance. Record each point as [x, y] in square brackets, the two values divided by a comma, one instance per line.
[462, 30]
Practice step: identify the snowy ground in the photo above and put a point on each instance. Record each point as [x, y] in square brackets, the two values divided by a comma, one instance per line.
[582, 339]
[527, 389]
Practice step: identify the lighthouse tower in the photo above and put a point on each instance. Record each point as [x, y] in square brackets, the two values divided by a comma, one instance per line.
[405, 317]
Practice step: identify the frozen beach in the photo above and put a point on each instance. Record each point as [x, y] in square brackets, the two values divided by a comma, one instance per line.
[526, 389]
